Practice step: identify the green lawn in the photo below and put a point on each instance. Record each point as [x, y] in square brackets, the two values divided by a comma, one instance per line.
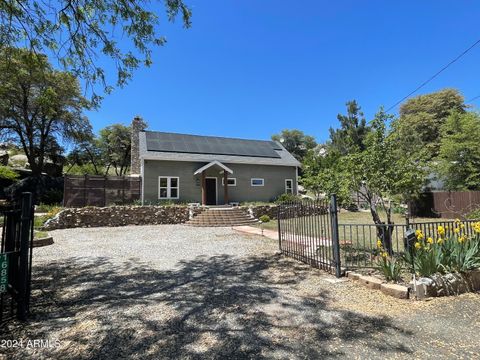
[356, 229]
[359, 217]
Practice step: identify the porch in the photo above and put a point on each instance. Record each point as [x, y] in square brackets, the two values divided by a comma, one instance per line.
[209, 186]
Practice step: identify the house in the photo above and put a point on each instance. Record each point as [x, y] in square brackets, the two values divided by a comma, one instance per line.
[210, 170]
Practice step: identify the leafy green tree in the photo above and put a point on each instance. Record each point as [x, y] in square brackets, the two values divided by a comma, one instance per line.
[78, 33]
[86, 158]
[115, 143]
[381, 174]
[39, 105]
[296, 142]
[459, 158]
[350, 137]
[322, 175]
[418, 129]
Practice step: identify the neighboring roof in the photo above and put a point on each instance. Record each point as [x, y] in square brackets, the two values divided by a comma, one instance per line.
[213, 163]
[182, 147]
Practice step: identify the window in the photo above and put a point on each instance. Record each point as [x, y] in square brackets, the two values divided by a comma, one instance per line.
[231, 182]
[256, 182]
[168, 187]
[289, 186]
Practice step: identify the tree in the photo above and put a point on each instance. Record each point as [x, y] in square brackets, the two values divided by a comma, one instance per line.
[115, 142]
[417, 130]
[86, 158]
[39, 105]
[78, 32]
[296, 142]
[350, 137]
[459, 157]
[322, 176]
[381, 174]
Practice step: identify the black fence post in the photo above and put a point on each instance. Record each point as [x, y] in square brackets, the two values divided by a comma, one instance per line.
[335, 237]
[279, 227]
[25, 233]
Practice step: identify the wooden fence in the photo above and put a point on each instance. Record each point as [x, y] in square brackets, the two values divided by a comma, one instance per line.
[445, 204]
[89, 190]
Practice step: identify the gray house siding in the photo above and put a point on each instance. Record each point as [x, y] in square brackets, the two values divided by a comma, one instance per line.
[190, 185]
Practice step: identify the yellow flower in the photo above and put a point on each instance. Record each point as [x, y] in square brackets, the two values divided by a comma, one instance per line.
[384, 254]
[430, 240]
[476, 227]
[462, 239]
[441, 230]
[462, 226]
[439, 241]
[419, 234]
[379, 243]
[418, 245]
[457, 220]
[456, 230]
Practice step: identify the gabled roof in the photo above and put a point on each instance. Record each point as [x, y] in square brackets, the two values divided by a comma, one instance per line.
[183, 147]
[213, 163]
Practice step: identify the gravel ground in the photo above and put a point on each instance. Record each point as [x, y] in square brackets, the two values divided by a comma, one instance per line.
[172, 291]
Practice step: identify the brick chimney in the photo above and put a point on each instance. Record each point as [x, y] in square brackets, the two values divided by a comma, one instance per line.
[138, 125]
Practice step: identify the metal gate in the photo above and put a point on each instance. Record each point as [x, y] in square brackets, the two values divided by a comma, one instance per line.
[16, 259]
[308, 231]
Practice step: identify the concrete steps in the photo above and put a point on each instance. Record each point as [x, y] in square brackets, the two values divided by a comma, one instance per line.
[221, 217]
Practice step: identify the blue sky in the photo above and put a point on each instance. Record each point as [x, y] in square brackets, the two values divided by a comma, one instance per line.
[250, 68]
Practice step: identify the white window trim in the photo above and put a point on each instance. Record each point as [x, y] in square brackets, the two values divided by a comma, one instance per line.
[252, 179]
[234, 181]
[291, 187]
[169, 188]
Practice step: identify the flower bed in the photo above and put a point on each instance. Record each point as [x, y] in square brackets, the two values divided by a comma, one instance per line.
[447, 264]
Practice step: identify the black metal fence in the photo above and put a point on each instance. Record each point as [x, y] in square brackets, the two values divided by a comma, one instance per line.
[16, 259]
[308, 231]
[314, 236]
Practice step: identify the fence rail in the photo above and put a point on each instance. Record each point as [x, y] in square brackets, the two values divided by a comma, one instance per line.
[89, 190]
[309, 231]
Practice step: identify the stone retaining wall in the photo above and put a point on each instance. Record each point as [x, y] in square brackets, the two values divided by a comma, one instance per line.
[120, 216]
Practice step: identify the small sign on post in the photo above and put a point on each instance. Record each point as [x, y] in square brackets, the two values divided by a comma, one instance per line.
[3, 273]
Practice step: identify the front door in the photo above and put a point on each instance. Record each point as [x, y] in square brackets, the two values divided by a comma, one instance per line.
[211, 188]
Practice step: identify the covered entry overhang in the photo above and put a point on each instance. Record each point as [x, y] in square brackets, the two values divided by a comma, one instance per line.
[225, 169]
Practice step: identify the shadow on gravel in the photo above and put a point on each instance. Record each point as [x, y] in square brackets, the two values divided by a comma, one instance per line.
[212, 307]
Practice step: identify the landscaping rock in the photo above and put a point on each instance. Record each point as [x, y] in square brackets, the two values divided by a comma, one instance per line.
[43, 241]
[473, 279]
[352, 275]
[395, 290]
[424, 287]
[370, 282]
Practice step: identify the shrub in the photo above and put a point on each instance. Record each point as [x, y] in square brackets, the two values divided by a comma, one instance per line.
[264, 218]
[287, 197]
[7, 173]
[475, 214]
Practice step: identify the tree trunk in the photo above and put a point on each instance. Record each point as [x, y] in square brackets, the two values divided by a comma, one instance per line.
[384, 231]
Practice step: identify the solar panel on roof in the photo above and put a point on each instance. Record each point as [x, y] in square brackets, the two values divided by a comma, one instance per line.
[169, 142]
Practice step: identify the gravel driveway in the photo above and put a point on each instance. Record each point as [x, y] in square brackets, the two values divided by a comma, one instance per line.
[172, 291]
